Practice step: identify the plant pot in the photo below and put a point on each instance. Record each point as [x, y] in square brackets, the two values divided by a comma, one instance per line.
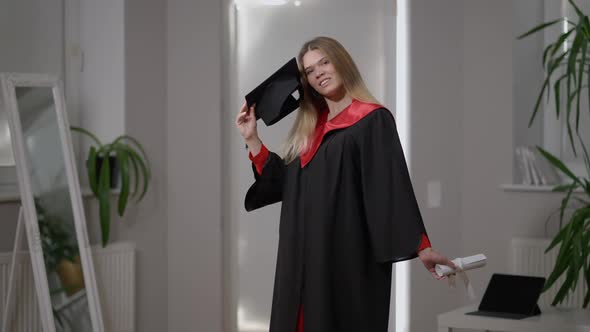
[114, 170]
[71, 275]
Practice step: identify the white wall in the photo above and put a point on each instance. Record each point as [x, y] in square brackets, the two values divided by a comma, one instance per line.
[33, 47]
[145, 118]
[490, 216]
[194, 137]
[527, 73]
[462, 118]
[435, 111]
[102, 80]
[36, 47]
[145, 224]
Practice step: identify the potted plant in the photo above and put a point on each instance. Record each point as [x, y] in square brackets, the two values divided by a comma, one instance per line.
[132, 163]
[60, 250]
[567, 75]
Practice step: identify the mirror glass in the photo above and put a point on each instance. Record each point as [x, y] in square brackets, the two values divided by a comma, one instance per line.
[53, 204]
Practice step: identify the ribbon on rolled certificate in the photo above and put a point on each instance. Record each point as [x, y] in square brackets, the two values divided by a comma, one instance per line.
[463, 264]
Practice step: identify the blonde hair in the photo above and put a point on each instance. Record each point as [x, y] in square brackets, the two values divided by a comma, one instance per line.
[301, 134]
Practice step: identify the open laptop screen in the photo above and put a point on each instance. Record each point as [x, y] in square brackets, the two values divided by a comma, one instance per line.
[512, 293]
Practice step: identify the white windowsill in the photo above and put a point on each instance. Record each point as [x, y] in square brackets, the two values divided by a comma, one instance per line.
[530, 188]
[10, 194]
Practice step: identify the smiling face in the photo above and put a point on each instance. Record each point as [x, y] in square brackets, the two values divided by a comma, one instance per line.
[322, 76]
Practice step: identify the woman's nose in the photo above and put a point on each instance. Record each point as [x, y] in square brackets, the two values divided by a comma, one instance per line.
[319, 74]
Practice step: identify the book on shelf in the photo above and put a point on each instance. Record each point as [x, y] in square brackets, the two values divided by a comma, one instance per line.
[533, 168]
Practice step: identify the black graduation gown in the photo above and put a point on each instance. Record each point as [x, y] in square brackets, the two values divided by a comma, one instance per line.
[346, 216]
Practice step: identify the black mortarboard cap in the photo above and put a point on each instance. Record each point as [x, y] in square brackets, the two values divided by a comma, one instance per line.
[273, 97]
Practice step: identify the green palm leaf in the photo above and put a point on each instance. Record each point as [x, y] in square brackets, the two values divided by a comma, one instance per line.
[552, 67]
[557, 163]
[578, 11]
[573, 237]
[538, 28]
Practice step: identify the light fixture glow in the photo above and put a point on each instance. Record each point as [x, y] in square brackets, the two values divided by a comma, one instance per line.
[403, 106]
[246, 324]
[297, 3]
[274, 2]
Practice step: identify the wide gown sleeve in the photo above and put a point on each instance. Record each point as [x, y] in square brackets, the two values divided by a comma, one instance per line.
[268, 186]
[392, 214]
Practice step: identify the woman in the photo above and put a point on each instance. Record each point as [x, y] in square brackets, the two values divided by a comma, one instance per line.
[348, 207]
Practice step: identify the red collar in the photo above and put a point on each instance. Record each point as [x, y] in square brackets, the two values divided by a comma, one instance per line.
[346, 118]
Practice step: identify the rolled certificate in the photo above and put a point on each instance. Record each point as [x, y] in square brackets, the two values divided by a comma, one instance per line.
[463, 264]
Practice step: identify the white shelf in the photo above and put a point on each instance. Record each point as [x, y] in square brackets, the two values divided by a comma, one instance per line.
[531, 188]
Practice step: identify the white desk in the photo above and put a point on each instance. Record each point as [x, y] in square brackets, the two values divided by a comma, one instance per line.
[551, 319]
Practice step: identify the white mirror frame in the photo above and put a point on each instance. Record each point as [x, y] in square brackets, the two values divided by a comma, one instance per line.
[9, 82]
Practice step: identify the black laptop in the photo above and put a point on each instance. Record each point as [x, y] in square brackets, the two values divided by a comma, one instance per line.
[511, 296]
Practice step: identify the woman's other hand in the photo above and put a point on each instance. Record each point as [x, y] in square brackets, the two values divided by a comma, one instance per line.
[431, 257]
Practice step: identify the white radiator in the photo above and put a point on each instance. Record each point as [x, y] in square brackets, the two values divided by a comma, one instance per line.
[529, 258]
[115, 278]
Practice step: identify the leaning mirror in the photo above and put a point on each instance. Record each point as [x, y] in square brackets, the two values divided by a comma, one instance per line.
[50, 196]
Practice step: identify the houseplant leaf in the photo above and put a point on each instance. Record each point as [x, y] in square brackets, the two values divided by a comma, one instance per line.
[553, 65]
[539, 27]
[559, 237]
[123, 160]
[104, 189]
[573, 237]
[87, 133]
[558, 270]
[136, 176]
[92, 178]
[580, 80]
[562, 188]
[586, 159]
[565, 201]
[578, 11]
[145, 171]
[565, 287]
[126, 151]
[557, 163]
[135, 142]
[557, 93]
[587, 278]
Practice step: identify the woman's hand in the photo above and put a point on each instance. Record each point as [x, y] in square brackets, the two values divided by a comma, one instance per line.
[246, 124]
[431, 257]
